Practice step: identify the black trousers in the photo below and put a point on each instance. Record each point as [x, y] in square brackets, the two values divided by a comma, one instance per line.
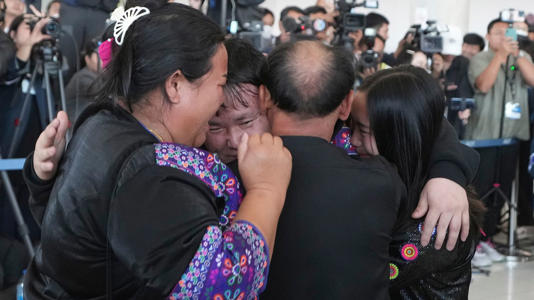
[82, 24]
[497, 165]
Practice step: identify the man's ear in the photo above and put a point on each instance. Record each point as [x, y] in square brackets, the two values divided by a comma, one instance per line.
[265, 99]
[346, 106]
[173, 86]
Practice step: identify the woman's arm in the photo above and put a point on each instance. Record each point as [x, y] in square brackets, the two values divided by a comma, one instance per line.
[452, 166]
[164, 227]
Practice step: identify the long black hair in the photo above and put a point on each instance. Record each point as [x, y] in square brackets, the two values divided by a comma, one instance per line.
[172, 37]
[405, 106]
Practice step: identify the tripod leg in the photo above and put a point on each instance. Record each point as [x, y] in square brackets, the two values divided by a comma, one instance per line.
[23, 229]
[512, 222]
[489, 193]
[62, 95]
[22, 117]
[48, 93]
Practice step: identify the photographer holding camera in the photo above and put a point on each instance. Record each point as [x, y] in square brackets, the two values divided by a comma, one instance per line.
[290, 12]
[457, 81]
[371, 53]
[501, 77]
[322, 23]
[15, 83]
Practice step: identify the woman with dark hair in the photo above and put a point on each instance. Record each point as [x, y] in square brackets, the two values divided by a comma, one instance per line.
[398, 113]
[136, 210]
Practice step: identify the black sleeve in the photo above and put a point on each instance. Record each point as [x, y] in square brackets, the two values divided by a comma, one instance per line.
[39, 190]
[451, 159]
[379, 220]
[157, 222]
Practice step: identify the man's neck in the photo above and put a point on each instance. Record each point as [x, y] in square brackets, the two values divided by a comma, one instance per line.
[290, 125]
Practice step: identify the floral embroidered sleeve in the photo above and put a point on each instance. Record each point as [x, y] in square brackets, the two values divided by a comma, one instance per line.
[232, 260]
[228, 265]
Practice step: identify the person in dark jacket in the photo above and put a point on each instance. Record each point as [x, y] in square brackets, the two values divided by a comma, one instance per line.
[145, 223]
[398, 113]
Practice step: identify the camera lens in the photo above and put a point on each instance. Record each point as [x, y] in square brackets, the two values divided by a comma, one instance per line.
[52, 28]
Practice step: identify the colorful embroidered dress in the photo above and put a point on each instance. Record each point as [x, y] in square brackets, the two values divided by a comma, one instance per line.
[232, 260]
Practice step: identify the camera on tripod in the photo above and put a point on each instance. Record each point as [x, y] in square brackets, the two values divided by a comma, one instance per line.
[47, 50]
[52, 28]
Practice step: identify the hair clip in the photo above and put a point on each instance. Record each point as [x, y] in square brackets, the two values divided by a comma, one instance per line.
[126, 20]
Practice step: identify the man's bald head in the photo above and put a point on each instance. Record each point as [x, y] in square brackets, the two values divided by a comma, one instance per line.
[308, 78]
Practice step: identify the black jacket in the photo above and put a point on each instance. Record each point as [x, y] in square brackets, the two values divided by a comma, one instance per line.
[100, 225]
[334, 232]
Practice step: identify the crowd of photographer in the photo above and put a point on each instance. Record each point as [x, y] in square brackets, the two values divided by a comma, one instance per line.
[54, 60]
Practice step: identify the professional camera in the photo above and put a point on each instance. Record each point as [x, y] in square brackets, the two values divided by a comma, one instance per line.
[304, 25]
[347, 21]
[245, 22]
[369, 58]
[255, 33]
[428, 39]
[512, 16]
[47, 50]
[52, 28]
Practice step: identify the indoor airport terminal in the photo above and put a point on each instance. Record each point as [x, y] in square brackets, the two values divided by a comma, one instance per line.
[267, 149]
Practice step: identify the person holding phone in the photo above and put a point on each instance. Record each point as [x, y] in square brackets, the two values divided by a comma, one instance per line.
[502, 73]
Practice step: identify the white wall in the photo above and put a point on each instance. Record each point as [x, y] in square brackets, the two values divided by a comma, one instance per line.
[468, 15]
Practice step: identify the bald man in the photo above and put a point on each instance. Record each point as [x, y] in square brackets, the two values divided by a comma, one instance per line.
[335, 228]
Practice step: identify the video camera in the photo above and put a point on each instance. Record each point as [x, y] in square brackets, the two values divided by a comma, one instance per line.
[255, 33]
[429, 39]
[369, 58]
[304, 25]
[248, 25]
[347, 21]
